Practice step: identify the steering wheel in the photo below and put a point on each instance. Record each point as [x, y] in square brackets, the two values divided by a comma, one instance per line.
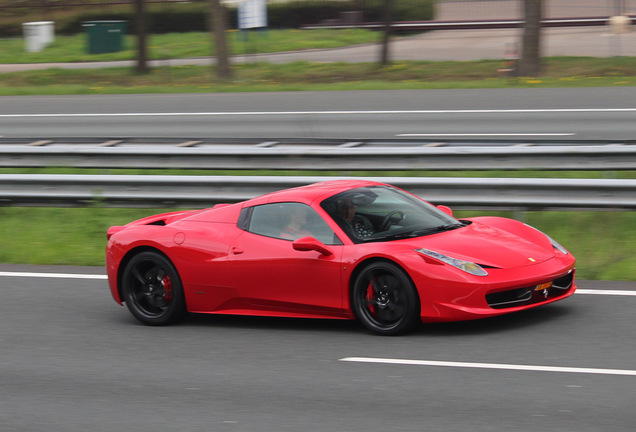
[390, 220]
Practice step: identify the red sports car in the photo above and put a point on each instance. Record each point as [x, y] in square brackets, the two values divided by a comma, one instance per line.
[338, 249]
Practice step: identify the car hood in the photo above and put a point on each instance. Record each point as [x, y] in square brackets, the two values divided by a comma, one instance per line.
[488, 246]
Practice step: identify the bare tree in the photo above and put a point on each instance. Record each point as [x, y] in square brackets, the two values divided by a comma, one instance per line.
[386, 35]
[218, 24]
[530, 62]
[140, 18]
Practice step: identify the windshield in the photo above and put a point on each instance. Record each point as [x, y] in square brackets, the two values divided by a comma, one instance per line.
[380, 213]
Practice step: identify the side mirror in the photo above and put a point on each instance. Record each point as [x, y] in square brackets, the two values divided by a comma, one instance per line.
[445, 209]
[311, 244]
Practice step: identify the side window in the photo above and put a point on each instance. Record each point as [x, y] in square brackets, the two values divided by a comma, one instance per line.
[289, 221]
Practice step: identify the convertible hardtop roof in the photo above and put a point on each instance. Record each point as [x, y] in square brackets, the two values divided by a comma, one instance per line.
[312, 192]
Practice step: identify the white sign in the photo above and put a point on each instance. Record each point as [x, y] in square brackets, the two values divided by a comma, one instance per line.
[252, 14]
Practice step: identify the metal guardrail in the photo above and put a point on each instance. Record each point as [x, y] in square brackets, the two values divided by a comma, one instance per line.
[323, 155]
[368, 155]
[467, 24]
[203, 191]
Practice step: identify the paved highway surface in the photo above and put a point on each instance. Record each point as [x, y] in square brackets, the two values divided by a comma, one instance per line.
[73, 360]
[563, 113]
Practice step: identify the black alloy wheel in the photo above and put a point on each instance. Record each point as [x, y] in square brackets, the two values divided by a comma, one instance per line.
[152, 289]
[384, 299]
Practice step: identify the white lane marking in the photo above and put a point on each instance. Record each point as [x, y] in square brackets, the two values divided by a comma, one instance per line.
[481, 134]
[53, 275]
[497, 366]
[606, 292]
[103, 277]
[339, 112]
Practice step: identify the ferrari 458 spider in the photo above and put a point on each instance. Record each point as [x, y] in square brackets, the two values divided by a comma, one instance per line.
[339, 249]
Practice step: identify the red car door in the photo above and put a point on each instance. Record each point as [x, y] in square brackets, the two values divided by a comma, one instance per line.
[270, 275]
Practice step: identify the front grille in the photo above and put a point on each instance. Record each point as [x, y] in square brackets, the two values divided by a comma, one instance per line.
[564, 282]
[531, 294]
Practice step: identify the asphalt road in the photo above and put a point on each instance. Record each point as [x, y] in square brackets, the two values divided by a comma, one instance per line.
[73, 360]
[562, 113]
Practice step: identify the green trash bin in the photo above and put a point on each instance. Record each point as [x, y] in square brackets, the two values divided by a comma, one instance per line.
[105, 36]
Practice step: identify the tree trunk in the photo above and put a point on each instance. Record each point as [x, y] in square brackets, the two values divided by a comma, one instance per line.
[140, 18]
[388, 12]
[530, 62]
[218, 25]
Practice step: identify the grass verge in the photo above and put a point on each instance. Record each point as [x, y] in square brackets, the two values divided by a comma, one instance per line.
[603, 242]
[183, 45]
[305, 76]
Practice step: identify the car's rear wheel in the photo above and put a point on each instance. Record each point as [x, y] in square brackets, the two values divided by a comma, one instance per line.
[384, 299]
[152, 289]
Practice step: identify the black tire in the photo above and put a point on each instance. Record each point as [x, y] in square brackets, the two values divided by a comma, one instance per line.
[152, 289]
[384, 299]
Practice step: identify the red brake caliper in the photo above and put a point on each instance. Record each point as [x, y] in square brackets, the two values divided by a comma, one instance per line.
[371, 298]
[167, 288]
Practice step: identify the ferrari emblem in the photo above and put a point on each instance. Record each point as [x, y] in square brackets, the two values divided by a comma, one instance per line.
[543, 288]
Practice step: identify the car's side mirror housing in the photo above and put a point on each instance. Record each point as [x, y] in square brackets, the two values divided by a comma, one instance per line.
[445, 209]
[311, 244]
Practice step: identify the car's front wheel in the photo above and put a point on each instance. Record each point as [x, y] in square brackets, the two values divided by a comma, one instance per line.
[384, 299]
[152, 289]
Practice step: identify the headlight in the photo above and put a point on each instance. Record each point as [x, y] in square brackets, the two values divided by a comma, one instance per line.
[467, 266]
[555, 244]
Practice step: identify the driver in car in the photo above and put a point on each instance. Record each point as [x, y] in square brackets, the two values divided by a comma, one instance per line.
[359, 225]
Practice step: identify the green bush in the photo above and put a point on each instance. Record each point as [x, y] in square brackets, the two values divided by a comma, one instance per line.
[189, 17]
[297, 14]
[178, 18]
[403, 10]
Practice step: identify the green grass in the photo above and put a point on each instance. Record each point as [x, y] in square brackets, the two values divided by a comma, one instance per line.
[183, 45]
[603, 242]
[59, 235]
[253, 75]
[626, 174]
[305, 76]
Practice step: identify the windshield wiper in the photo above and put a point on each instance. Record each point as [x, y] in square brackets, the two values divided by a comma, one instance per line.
[435, 230]
[416, 233]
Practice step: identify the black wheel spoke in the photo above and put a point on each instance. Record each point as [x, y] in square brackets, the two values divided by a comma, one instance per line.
[376, 284]
[160, 302]
[136, 274]
[391, 312]
[139, 295]
[159, 274]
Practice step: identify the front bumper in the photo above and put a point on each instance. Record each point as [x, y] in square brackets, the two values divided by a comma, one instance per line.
[502, 291]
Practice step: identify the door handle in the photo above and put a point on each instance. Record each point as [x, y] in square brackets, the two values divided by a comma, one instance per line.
[237, 250]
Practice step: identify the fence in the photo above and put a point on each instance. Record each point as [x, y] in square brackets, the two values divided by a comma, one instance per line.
[203, 191]
[476, 10]
[321, 155]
